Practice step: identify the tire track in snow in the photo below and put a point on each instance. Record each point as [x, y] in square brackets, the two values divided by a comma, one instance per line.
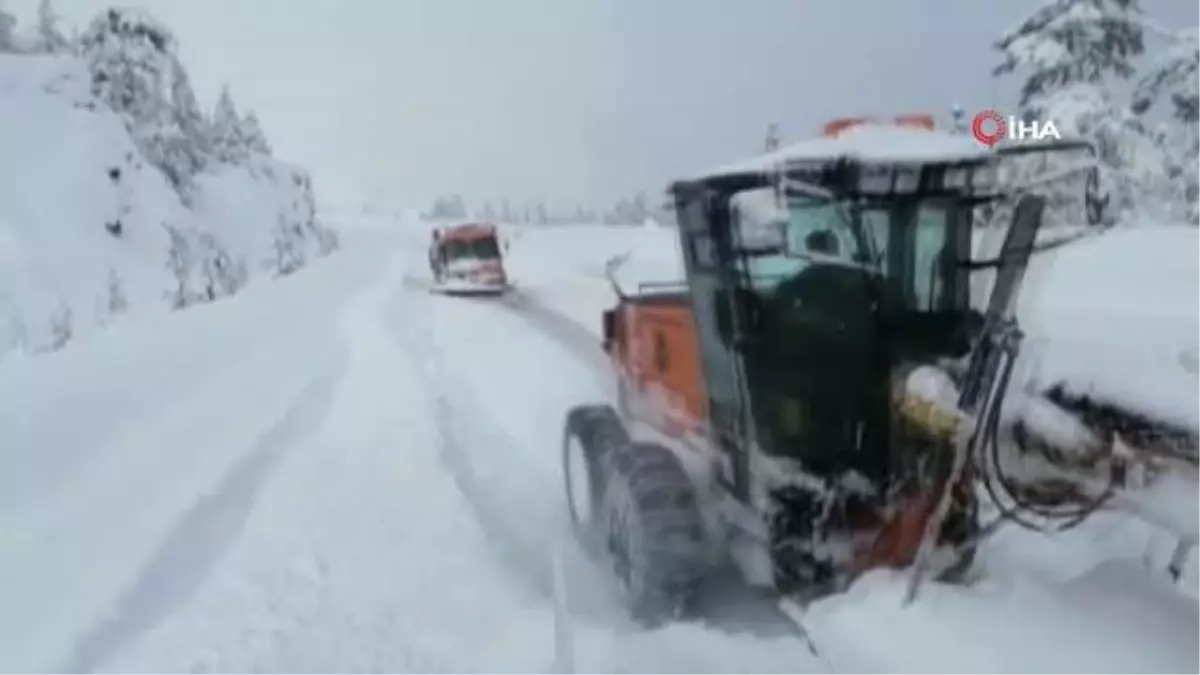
[192, 549]
[472, 442]
[462, 424]
[364, 557]
[559, 327]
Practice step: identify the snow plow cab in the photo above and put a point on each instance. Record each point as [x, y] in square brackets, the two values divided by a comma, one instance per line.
[467, 259]
[775, 409]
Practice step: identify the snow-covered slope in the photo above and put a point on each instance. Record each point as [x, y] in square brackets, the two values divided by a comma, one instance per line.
[69, 169]
[56, 149]
[343, 472]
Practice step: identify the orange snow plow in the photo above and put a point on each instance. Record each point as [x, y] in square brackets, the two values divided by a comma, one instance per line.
[466, 259]
[820, 395]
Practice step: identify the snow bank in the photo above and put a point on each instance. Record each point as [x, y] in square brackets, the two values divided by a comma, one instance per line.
[1118, 317]
[108, 445]
[1113, 619]
[69, 170]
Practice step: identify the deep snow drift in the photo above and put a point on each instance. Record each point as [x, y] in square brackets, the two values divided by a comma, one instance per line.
[344, 472]
[59, 149]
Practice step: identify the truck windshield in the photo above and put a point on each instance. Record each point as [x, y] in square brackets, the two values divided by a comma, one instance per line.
[483, 248]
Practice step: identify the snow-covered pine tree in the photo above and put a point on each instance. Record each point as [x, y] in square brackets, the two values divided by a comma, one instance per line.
[195, 147]
[1068, 42]
[49, 38]
[306, 203]
[8, 30]
[252, 135]
[222, 276]
[1173, 79]
[639, 209]
[135, 71]
[288, 246]
[1071, 53]
[180, 262]
[225, 131]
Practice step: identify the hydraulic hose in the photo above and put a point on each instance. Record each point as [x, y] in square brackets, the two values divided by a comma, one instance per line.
[1000, 487]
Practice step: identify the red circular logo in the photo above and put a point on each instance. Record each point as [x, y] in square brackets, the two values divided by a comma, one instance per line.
[989, 127]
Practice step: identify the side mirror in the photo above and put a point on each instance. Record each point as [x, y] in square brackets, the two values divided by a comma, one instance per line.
[609, 328]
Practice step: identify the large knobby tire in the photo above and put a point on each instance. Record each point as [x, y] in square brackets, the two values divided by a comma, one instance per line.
[593, 433]
[654, 534]
[635, 508]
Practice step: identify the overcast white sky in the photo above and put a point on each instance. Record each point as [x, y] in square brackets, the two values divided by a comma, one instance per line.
[574, 100]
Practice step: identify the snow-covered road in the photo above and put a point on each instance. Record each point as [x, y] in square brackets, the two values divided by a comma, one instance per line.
[343, 472]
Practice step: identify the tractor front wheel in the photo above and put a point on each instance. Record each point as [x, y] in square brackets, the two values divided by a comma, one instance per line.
[633, 506]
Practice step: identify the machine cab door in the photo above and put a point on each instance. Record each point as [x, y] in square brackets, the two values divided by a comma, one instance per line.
[706, 251]
[812, 360]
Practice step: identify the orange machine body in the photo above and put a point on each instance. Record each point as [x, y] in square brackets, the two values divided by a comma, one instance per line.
[656, 352]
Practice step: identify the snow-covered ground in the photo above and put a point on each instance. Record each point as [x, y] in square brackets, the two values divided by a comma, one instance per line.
[344, 472]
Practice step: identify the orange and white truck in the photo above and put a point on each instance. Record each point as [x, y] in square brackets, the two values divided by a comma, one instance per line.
[467, 258]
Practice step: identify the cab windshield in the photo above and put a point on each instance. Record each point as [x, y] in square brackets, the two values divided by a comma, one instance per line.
[828, 284]
[905, 243]
[483, 248]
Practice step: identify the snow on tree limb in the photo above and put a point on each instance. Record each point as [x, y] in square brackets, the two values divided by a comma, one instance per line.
[1071, 41]
[1174, 77]
[1070, 53]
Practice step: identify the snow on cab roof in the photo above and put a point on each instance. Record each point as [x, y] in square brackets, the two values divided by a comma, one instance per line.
[868, 143]
[469, 231]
